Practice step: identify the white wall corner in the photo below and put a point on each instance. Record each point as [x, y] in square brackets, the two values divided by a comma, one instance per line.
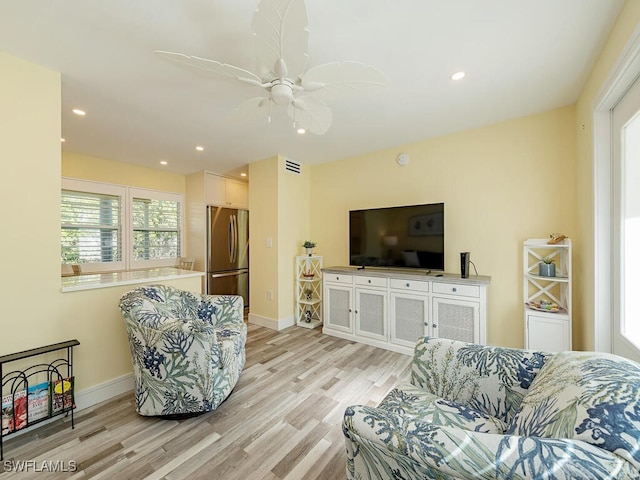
[273, 324]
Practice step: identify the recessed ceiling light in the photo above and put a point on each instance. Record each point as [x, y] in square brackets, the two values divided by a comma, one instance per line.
[199, 148]
[62, 140]
[77, 111]
[163, 162]
[458, 76]
[301, 131]
[243, 174]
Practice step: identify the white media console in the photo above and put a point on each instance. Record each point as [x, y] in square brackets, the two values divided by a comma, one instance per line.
[390, 308]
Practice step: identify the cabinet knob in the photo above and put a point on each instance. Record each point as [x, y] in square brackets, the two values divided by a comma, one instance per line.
[356, 312]
[369, 281]
[337, 278]
[408, 285]
[433, 325]
[454, 289]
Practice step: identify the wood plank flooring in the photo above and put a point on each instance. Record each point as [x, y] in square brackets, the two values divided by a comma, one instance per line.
[282, 421]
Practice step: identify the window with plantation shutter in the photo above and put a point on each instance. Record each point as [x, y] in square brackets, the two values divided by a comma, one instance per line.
[91, 230]
[156, 229]
[108, 227]
[91, 220]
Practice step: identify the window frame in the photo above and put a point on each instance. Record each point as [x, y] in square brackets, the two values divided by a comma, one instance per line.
[147, 194]
[127, 194]
[90, 187]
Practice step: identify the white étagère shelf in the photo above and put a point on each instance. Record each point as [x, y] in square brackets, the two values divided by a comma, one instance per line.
[309, 291]
[547, 299]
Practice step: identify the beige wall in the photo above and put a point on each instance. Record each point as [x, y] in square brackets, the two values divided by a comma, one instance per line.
[101, 170]
[263, 225]
[35, 312]
[280, 204]
[500, 184]
[627, 21]
[294, 194]
[29, 195]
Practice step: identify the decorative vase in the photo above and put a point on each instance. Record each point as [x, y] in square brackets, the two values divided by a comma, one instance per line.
[547, 269]
[309, 251]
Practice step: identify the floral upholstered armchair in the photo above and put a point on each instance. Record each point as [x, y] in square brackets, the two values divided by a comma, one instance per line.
[187, 349]
[478, 412]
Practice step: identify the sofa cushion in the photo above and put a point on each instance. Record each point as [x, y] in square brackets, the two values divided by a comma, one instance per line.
[413, 403]
[589, 396]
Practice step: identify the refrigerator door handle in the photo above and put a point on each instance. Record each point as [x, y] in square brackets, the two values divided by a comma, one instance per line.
[228, 274]
[230, 239]
[234, 247]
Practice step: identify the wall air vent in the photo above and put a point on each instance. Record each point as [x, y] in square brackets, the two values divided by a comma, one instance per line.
[292, 167]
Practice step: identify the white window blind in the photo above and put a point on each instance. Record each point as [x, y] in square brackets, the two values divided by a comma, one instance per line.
[91, 228]
[107, 227]
[156, 229]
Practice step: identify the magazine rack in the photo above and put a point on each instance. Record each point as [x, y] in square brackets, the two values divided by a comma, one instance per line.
[19, 383]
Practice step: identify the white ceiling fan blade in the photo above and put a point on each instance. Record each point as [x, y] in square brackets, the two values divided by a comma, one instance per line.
[280, 29]
[311, 113]
[211, 66]
[250, 110]
[342, 77]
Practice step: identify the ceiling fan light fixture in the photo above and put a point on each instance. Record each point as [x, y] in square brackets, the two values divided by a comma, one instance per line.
[281, 93]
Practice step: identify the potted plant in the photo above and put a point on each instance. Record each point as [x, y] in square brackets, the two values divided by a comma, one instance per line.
[309, 246]
[547, 268]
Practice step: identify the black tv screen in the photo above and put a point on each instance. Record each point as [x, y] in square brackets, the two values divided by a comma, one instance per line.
[408, 237]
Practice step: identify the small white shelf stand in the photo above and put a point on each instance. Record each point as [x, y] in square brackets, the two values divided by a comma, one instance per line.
[309, 291]
[545, 330]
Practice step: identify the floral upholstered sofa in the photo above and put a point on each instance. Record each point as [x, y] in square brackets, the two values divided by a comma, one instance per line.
[478, 412]
[187, 349]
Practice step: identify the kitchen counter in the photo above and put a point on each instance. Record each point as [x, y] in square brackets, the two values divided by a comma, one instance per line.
[130, 277]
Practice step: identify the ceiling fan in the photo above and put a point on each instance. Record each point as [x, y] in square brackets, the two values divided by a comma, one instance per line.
[281, 42]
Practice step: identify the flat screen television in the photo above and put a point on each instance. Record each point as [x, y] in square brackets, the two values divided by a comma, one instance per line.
[408, 237]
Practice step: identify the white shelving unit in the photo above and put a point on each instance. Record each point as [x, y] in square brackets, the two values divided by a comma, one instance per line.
[309, 291]
[547, 330]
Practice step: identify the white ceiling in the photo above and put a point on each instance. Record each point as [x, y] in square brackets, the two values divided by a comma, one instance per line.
[521, 57]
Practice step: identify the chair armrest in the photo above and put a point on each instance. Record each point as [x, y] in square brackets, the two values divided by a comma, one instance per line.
[457, 453]
[490, 379]
[225, 310]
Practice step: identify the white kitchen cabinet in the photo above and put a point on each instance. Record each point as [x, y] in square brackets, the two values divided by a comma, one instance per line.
[202, 189]
[226, 192]
[392, 310]
[547, 299]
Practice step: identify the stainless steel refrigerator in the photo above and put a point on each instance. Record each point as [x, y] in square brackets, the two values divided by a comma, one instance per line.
[228, 252]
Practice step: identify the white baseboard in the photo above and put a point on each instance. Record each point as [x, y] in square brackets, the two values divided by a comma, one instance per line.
[273, 324]
[104, 391]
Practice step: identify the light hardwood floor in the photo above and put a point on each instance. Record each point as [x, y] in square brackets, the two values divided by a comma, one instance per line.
[282, 421]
